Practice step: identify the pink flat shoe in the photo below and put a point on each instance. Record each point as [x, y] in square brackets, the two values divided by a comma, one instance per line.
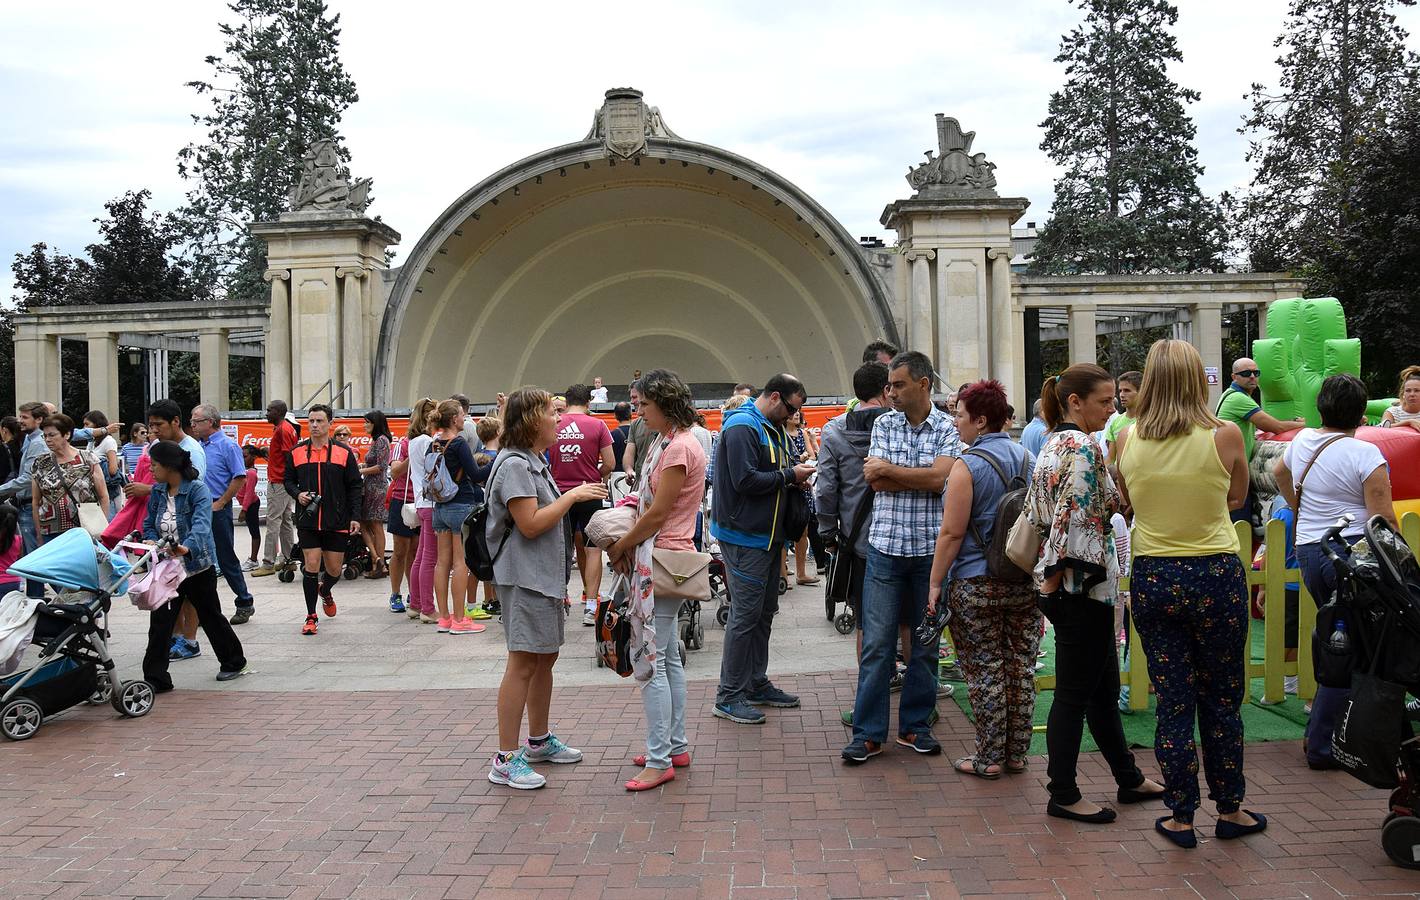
[634, 785]
[678, 760]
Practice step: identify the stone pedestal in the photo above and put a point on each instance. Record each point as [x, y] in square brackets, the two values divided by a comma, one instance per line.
[961, 313]
[322, 265]
[103, 372]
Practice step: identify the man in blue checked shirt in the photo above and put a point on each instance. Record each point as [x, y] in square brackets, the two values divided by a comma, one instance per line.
[225, 476]
[909, 455]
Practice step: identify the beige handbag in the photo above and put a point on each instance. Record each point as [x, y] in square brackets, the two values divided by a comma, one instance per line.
[607, 526]
[680, 574]
[1023, 543]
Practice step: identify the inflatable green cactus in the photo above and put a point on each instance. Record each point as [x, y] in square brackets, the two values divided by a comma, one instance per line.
[1307, 343]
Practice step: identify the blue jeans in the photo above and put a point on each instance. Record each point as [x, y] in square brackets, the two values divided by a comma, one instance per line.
[1319, 576]
[29, 539]
[224, 537]
[754, 599]
[894, 591]
[664, 694]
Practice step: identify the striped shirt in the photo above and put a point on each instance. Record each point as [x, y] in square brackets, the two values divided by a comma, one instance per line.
[905, 523]
[130, 453]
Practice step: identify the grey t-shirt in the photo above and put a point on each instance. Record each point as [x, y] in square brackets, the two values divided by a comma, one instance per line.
[543, 564]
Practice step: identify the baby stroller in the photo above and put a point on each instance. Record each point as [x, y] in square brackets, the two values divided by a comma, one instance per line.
[358, 559]
[74, 664]
[1372, 629]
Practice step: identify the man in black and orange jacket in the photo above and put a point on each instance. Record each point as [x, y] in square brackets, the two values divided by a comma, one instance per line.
[328, 469]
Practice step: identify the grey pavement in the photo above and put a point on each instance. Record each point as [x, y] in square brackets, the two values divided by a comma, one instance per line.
[368, 648]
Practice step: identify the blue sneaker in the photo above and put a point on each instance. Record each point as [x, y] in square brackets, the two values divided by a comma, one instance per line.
[514, 772]
[184, 649]
[551, 750]
[772, 696]
[740, 712]
[396, 604]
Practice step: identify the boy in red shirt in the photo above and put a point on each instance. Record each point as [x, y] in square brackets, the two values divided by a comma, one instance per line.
[582, 455]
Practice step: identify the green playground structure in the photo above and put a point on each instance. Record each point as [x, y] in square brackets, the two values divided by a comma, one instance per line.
[1306, 343]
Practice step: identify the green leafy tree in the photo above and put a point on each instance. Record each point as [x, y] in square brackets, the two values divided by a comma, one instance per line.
[1128, 199]
[278, 86]
[1345, 71]
[1373, 261]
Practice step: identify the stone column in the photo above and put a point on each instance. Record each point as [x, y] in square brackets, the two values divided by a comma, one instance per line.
[36, 366]
[963, 313]
[355, 364]
[103, 372]
[278, 338]
[1007, 349]
[919, 313]
[212, 375]
[1082, 334]
[1208, 338]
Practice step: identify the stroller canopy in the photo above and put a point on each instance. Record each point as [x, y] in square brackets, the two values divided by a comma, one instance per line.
[74, 561]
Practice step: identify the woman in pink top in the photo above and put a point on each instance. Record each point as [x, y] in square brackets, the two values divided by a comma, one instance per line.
[675, 469]
[11, 547]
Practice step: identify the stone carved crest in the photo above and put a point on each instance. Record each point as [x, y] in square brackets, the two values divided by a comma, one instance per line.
[325, 185]
[956, 172]
[625, 121]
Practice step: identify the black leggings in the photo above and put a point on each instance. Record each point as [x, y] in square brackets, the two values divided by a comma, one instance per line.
[253, 516]
[201, 591]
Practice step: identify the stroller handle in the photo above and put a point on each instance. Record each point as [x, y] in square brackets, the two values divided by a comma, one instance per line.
[1332, 537]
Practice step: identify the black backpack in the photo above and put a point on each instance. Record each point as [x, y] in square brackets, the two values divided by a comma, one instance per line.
[477, 554]
[1008, 510]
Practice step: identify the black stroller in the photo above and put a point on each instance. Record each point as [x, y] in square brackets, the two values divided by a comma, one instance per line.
[71, 631]
[1368, 639]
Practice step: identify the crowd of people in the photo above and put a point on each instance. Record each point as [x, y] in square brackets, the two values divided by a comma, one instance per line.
[911, 500]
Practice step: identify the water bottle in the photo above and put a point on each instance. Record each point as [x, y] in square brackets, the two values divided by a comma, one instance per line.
[1339, 643]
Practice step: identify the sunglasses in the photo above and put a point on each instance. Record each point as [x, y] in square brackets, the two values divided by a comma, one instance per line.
[1249, 373]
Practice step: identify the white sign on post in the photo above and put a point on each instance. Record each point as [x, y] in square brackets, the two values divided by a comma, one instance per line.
[1211, 374]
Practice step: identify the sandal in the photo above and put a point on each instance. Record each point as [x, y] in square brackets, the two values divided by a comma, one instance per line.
[1016, 766]
[809, 580]
[970, 765]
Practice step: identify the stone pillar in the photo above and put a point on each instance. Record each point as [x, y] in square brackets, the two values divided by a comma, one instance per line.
[963, 314]
[919, 312]
[36, 367]
[103, 373]
[355, 363]
[1208, 338]
[1082, 334]
[278, 338]
[1007, 347]
[212, 373]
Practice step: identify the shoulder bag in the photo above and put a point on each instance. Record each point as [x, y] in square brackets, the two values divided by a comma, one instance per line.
[1297, 507]
[677, 574]
[91, 518]
[408, 512]
[840, 568]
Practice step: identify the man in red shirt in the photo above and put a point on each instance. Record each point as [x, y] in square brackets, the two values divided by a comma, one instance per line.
[582, 455]
[280, 530]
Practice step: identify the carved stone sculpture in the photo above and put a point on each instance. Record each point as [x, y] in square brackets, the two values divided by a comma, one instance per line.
[324, 184]
[625, 121]
[956, 172]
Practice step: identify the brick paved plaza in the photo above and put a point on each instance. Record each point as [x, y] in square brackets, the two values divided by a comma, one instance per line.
[353, 764]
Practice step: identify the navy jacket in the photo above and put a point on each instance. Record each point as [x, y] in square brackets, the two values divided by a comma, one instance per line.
[754, 465]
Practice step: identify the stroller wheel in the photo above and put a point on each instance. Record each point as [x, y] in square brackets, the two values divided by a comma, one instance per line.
[1401, 839]
[134, 699]
[102, 692]
[722, 615]
[783, 586]
[286, 576]
[680, 645]
[352, 571]
[20, 719]
[844, 623]
[697, 638]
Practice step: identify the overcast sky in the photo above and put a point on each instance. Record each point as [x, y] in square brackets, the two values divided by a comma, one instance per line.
[837, 97]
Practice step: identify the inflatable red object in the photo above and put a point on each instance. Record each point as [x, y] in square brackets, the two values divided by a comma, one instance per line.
[1401, 449]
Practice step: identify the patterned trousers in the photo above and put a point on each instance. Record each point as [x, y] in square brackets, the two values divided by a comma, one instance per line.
[996, 628]
[1192, 614]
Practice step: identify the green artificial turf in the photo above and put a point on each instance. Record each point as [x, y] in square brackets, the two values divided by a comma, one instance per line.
[1285, 721]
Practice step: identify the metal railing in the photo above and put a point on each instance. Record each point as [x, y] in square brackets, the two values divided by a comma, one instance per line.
[329, 384]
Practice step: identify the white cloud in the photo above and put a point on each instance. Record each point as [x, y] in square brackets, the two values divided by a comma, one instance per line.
[838, 97]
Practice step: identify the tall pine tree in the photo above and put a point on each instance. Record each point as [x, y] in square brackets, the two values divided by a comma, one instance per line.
[1128, 200]
[1345, 70]
[278, 86]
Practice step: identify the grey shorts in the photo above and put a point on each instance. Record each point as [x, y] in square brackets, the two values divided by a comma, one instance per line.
[532, 622]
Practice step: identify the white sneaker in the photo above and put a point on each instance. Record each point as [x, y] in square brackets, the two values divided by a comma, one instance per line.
[589, 617]
[515, 773]
[551, 750]
[1289, 684]
[248, 565]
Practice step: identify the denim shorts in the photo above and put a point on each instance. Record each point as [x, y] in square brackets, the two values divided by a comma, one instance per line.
[448, 517]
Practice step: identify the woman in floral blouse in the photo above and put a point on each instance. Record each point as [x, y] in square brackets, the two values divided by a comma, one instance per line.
[1070, 501]
[64, 478]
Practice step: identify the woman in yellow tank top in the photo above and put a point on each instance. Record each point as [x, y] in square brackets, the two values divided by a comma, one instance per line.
[1182, 469]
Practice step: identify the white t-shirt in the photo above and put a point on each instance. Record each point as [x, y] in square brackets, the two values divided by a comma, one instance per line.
[105, 445]
[1334, 485]
[599, 395]
[417, 448]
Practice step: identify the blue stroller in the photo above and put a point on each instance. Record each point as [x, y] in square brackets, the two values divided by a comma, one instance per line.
[74, 663]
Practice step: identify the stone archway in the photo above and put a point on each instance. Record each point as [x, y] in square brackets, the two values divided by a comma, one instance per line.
[630, 249]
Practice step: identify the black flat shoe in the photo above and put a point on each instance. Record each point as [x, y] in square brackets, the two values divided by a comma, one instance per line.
[1185, 839]
[1131, 795]
[1227, 831]
[1103, 817]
